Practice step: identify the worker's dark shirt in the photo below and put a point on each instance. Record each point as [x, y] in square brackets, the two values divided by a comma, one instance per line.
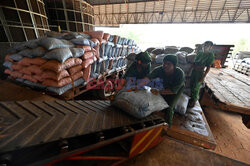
[173, 82]
[133, 72]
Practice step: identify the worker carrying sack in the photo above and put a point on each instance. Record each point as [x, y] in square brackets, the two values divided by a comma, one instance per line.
[140, 103]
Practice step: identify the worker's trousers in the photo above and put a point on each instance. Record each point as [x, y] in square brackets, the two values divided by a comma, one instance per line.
[172, 100]
[195, 85]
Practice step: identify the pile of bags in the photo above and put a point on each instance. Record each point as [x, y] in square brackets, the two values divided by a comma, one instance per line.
[62, 61]
[169, 50]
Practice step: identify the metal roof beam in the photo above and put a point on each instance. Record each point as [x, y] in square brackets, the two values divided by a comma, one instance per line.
[209, 9]
[173, 11]
[222, 10]
[118, 2]
[234, 17]
[195, 12]
[184, 11]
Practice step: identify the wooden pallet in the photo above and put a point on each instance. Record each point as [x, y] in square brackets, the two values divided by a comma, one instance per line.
[177, 131]
[229, 90]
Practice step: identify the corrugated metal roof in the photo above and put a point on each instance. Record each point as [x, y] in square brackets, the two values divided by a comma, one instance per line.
[115, 12]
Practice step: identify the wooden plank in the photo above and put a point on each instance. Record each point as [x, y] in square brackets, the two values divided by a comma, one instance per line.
[231, 89]
[189, 135]
[218, 87]
[234, 87]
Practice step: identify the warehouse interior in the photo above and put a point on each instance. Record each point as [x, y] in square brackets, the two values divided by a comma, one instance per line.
[62, 69]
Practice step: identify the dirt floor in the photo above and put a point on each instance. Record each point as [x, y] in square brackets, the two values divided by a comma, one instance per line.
[232, 137]
[175, 153]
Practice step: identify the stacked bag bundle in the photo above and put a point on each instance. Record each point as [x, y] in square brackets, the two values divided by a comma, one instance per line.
[59, 61]
[112, 51]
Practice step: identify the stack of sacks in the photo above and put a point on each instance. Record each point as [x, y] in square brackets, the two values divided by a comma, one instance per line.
[52, 63]
[185, 62]
[112, 52]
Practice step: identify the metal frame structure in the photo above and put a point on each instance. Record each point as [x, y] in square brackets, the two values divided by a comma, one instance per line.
[75, 15]
[22, 20]
[113, 13]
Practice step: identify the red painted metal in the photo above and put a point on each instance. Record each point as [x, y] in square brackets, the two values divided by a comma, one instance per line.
[149, 138]
[145, 140]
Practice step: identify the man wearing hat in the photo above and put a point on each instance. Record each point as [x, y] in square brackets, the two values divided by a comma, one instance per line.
[173, 83]
[141, 67]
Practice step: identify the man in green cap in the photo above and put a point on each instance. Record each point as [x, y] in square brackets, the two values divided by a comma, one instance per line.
[204, 59]
[173, 79]
[141, 67]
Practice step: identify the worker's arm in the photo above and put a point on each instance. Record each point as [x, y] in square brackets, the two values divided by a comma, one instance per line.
[205, 74]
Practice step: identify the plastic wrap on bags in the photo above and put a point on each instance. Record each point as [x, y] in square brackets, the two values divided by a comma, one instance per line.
[139, 104]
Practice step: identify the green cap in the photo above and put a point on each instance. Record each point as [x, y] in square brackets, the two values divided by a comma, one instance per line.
[171, 58]
[144, 57]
